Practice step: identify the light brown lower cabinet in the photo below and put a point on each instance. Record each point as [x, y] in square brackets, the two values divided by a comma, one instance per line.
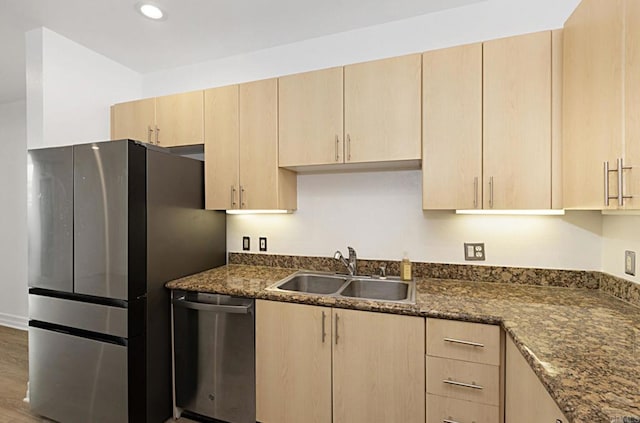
[443, 409]
[527, 400]
[318, 364]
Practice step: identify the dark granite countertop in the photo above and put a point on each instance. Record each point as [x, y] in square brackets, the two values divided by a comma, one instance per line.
[583, 344]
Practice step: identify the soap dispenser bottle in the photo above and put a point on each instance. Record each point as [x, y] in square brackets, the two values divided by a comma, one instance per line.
[405, 268]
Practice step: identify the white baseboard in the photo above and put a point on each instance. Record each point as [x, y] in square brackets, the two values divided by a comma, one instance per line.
[16, 322]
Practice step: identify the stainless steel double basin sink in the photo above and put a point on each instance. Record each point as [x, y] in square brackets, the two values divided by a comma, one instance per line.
[345, 286]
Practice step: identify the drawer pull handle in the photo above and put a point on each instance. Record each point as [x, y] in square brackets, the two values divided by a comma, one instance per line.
[459, 341]
[449, 421]
[461, 384]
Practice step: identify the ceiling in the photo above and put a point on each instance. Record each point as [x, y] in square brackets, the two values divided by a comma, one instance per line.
[194, 30]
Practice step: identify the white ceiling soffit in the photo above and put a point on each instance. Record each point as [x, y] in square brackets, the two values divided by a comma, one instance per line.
[194, 30]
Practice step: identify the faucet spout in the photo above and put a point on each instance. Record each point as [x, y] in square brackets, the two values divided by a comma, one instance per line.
[350, 264]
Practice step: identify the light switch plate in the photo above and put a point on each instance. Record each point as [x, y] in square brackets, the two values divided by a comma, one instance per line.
[630, 263]
[474, 251]
[246, 243]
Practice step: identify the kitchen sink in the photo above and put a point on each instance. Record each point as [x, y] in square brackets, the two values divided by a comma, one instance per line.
[377, 289]
[345, 286]
[312, 283]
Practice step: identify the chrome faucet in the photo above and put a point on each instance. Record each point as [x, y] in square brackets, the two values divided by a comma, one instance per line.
[351, 264]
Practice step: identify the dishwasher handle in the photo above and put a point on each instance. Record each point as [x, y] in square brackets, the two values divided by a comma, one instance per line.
[216, 308]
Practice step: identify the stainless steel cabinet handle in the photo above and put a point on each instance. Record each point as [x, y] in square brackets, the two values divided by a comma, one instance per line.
[475, 192]
[150, 131]
[491, 191]
[157, 135]
[449, 421]
[606, 183]
[459, 341]
[324, 332]
[337, 317]
[462, 384]
[242, 198]
[181, 302]
[233, 196]
[337, 149]
[348, 147]
[621, 169]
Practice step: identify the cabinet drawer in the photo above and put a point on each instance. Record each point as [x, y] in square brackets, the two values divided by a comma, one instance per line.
[442, 409]
[463, 380]
[473, 342]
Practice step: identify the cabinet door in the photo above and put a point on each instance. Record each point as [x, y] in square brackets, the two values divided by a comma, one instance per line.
[311, 118]
[179, 119]
[527, 401]
[262, 184]
[378, 368]
[632, 105]
[517, 122]
[382, 110]
[293, 363]
[134, 120]
[221, 148]
[452, 127]
[592, 101]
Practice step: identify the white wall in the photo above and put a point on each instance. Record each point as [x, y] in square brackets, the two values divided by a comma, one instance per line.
[70, 89]
[380, 215]
[478, 22]
[620, 233]
[13, 215]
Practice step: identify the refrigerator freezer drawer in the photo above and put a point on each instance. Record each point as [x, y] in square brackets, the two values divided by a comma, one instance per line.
[77, 380]
[77, 314]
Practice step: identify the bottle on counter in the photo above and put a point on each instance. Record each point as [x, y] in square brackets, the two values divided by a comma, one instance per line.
[405, 268]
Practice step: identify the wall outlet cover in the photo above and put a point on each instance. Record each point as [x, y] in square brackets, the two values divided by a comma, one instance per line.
[474, 251]
[630, 263]
[246, 243]
[263, 243]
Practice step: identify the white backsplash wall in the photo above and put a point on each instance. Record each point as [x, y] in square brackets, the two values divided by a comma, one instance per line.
[620, 233]
[380, 215]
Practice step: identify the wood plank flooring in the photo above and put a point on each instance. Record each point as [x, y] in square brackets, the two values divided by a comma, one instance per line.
[14, 371]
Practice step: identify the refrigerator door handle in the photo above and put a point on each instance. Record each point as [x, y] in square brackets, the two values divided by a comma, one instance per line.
[182, 302]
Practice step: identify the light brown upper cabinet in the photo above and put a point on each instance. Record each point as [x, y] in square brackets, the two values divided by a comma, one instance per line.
[382, 110]
[241, 149]
[452, 134]
[311, 118]
[492, 124]
[363, 113]
[602, 105]
[168, 121]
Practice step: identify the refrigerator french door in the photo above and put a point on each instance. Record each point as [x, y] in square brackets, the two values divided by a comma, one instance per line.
[109, 224]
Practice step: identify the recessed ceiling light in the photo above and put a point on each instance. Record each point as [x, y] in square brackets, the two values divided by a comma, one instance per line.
[150, 11]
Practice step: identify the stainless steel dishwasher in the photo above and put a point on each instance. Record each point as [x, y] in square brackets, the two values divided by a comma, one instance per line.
[214, 357]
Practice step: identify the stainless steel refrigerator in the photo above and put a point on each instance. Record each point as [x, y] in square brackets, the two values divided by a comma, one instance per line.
[109, 224]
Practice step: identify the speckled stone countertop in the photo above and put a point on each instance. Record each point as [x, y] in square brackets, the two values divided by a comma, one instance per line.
[583, 344]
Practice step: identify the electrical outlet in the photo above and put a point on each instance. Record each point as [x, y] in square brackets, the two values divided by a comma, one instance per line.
[474, 251]
[263, 243]
[630, 263]
[246, 243]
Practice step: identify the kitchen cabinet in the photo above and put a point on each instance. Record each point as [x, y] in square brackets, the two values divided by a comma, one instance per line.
[526, 400]
[363, 366]
[168, 121]
[492, 124]
[382, 110]
[362, 113]
[465, 372]
[452, 139]
[241, 149]
[293, 363]
[311, 130]
[601, 105]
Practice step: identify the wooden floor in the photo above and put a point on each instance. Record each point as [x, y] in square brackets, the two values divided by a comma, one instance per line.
[14, 369]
